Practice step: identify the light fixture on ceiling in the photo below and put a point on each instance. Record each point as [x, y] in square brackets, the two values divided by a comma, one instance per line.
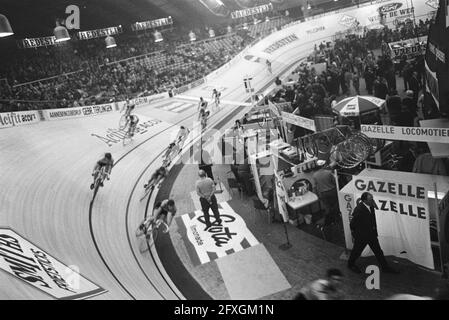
[229, 29]
[158, 36]
[308, 5]
[61, 33]
[5, 27]
[211, 33]
[110, 42]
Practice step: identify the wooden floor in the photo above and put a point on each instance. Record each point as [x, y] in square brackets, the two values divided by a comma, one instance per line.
[45, 174]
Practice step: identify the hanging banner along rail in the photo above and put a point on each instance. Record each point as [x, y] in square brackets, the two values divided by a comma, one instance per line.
[151, 24]
[432, 135]
[299, 121]
[251, 11]
[37, 42]
[98, 33]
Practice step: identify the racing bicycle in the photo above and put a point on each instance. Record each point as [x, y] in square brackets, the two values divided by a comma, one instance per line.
[100, 176]
[150, 229]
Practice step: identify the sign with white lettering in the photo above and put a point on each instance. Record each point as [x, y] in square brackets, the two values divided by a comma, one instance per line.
[436, 135]
[308, 124]
[281, 43]
[410, 48]
[68, 113]
[37, 42]
[29, 263]
[151, 24]
[251, 11]
[220, 240]
[91, 34]
[402, 217]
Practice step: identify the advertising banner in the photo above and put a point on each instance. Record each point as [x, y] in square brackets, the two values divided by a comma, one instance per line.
[251, 11]
[402, 217]
[411, 48]
[35, 267]
[99, 33]
[436, 135]
[347, 205]
[218, 241]
[69, 113]
[37, 42]
[20, 118]
[299, 121]
[151, 24]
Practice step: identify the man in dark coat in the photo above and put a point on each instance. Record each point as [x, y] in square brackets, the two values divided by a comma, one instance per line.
[394, 106]
[364, 231]
[414, 85]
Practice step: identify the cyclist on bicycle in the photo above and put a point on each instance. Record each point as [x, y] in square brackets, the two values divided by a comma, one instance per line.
[156, 177]
[128, 107]
[164, 210]
[202, 108]
[133, 120]
[182, 135]
[216, 96]
[106, 162]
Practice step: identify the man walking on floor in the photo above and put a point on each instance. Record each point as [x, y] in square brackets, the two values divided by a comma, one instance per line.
[205, 189]
[364, 231]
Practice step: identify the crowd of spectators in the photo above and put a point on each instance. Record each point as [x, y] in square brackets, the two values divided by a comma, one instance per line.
[85, 72]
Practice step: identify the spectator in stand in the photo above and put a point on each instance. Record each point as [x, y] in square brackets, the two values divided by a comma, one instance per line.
[380, 88]
[411, 105]
[407, 74]
[356, 82]
[277, 81]
[406, 118]
[415, 86]
[369, 76]
[323, 289]
[394, 106]
[326, 190]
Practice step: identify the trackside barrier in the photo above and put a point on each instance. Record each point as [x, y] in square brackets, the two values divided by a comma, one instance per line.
[20, 118]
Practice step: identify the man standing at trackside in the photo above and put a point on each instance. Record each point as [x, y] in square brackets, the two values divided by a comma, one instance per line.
[364, 231]
[205, 189]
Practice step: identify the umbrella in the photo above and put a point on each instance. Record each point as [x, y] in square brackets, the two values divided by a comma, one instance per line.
[355, 106]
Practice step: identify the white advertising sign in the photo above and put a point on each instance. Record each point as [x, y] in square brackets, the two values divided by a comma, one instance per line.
[402, 217]
[308, 124]
[69, 113]
[12, 119]
[27, 262]
[436, 135]
[217, 241]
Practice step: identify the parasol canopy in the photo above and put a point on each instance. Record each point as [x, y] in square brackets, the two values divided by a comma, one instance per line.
[355, 106]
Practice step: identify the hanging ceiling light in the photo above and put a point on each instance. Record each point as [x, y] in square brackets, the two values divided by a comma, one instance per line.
[267, 19]
[158, 36]
[61, 33]
[5, 27]
[192, 36]
[211, 33]
[245, 26]
[308, 5]
[110, 42]
[229, 29]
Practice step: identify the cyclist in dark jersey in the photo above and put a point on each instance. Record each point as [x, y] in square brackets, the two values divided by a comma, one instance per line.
[107, 162]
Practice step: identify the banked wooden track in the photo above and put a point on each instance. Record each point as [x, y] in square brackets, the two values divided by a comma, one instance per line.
[45, 172]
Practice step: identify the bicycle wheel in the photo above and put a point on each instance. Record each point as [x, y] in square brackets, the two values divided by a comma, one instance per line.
[152, 236]
[122, 122]
[147, 192]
